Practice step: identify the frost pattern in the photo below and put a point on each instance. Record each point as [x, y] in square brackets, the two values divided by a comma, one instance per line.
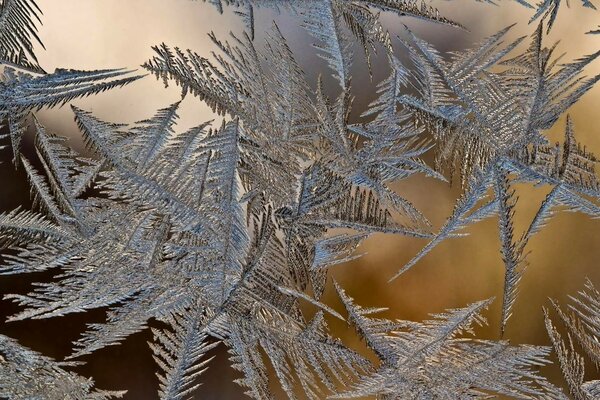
[431, 359]
[30, 375]
[18, 33]
[223, 233]
[21, 93]
[583, 324]
[491, 125]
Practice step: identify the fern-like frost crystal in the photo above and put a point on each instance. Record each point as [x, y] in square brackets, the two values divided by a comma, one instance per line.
[225, 234]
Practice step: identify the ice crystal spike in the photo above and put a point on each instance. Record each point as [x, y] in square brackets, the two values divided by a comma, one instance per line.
[466, 367]
[582, 321]
[27, 374]
[18, 34]
[177, 352]
[480, 123]
[548, 9]
[22, 93]
[358, 16]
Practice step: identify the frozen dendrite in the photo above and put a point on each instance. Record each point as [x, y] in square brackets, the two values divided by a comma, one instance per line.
[221, 234]
[582, 321]
[491, 126]
[18, 33]
[433, 359]
[26, 374]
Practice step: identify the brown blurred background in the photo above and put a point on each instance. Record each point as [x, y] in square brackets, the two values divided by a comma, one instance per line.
[97, 34]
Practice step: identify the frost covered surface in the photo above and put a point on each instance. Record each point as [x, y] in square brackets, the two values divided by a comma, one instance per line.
[582, 321]
[224, 233]
[27, 374]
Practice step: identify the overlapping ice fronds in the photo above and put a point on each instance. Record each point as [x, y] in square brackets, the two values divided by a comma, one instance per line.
[582, 321]
[24, 85]
[22, 93]
[359, 16]
[27, 374]
[491, 123]
[224, 234]
[149, 250]
[434, 359]
[18, 33]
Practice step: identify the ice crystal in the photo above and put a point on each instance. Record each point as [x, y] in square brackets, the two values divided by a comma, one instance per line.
[549, 9]
[18, 33]
[583, 324]
[492, 125]
[224, 233]
[27, 374]
[431, 359]
[21, 93]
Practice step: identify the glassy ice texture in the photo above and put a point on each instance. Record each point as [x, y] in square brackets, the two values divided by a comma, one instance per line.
[223, 234]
